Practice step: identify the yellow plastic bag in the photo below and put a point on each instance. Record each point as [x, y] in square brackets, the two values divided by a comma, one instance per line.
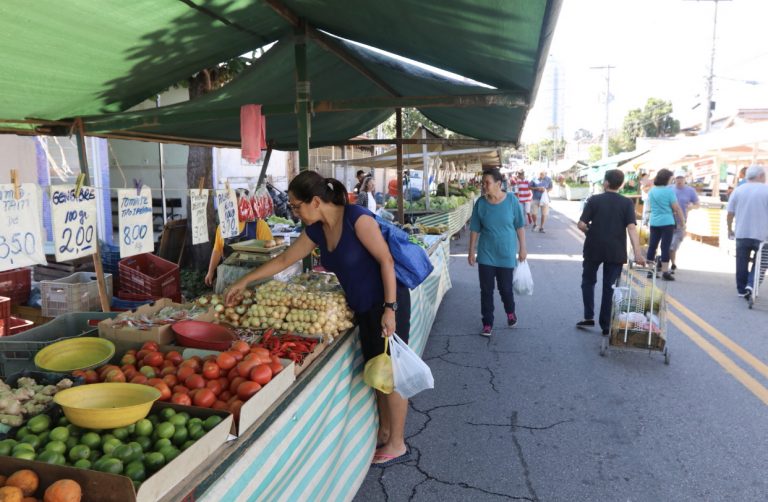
[378, 372]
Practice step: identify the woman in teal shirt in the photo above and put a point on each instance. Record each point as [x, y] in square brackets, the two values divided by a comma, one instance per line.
[664, 210]
[497, 222]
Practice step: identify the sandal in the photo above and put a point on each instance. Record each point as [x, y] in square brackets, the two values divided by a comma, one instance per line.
[391, 459]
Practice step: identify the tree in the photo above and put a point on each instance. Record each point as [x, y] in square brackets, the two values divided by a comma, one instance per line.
[545, 149]
[412, 118]
[595, 153]
[653, 121]
[582, 135]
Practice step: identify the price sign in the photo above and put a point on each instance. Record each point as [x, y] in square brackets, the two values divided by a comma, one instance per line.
[21, 235]
[198, 200]
[135, 214]
[227, 206]
[74, 221]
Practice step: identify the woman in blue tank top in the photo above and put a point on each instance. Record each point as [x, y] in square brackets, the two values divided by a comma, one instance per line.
[351, 246]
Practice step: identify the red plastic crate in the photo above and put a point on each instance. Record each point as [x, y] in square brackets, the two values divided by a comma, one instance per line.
[5, 314]
[15, 284]
[17, 325]
[147, 274]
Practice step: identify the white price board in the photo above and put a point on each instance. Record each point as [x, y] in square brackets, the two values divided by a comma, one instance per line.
[198, 200]
[74, 221]
[227, 207]
[21, 233]
[135, 214]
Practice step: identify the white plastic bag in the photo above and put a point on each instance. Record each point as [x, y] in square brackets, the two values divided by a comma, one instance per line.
[523, 280]
[411, 374]
[544, 198]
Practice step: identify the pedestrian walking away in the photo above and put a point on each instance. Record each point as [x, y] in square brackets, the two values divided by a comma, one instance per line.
[524, 195]
[687, 199]
[666, 216]
[352, 246]
[497, 235]
[748, 205]
[606, 220]
[540, 203]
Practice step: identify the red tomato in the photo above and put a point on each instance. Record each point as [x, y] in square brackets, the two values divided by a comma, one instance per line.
[168, 370]
[185, 372]
[209, 357]
[274, 359]
[165, 391]
[261, 374]
[141, 354]
[232, 373]
[154, 359]
[246, 389]
[204, 398]
[128, 359]
[244, 368]
[224, 382]
[192, 363]
[215, 386]
[237, 355]
[174, 357]
[79, 374]
[115, 376]
[180, 389]
[168, 364]
[225, 395]
[139, 378]
[170, 380]
[261, 352]
[234, 408]
[276, 367]
[150, 346]
[226, 361]
[182, 399]
[91, 376]
[234, 383]
[219, 405]
[194, 381]
[211, 370]
[106, 369]
[241, 347]
[153, 381]
[132, 351]
[129, 370]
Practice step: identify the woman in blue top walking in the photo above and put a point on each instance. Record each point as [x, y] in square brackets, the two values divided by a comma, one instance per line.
[497, 223]
[665, 217]
[352, 246]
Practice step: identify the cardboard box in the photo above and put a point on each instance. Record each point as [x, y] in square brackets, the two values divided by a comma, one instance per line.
[319, 348]
[637, 339]
[260, 402]
[103, 487]
[160, 334]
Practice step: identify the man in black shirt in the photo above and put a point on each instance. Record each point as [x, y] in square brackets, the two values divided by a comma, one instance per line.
[606, 220]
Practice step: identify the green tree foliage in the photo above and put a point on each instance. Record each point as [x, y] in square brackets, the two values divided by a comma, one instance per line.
[595, 153]
[652, 121]
[412, 118]
[545, 149]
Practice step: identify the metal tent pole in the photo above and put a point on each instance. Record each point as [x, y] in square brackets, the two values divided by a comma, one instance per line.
[399, 149]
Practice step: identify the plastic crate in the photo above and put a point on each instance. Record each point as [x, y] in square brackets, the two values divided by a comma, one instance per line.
[124, 304]
[5, 314]
[110, 259]
[17, 352]
[15, 284]
[150, 275]
[78, 292]
[18, 325]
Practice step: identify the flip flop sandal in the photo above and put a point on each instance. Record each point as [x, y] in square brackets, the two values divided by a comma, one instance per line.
[392, 459]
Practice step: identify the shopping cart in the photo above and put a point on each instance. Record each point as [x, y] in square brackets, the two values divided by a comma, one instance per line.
[638, 313]
[760, 265]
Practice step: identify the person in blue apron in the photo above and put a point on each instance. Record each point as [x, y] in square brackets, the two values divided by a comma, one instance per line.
[222, 248]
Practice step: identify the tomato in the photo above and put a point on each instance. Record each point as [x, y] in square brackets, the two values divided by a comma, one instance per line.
[234, 383]
[246, 389]
[194, 381]
[182, 399]
[225, 395]
[215, 386]
[237, 355]
[168, 370]
[153, 381]
[150, 346]
[211, 370]
[224, 382]
[140, 355]
[209, 357]
[192, 363]
[79, 374]
[244, 368]
[232, 374]
[168, 364]
[204, 398]
[128, 359]
[105, 369]
[261, 352]
[276, 367]
[185, 372]
[261, 374]
[165, 391]
[154, 359]
[234, 408]
[174, 356]
[180, 389]
[241, 347]
[226, 361]
[139, 378]
[219, 405]
[91, 376]
[274, 359]
[115, 375]
[129, 371]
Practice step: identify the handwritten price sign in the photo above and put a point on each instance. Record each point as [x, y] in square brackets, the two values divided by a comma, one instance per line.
[74, 222]
[227, 206]
[198, 200]
[21, 241]
[135, 214]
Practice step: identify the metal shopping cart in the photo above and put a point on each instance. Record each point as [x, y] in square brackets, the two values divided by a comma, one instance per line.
[638, 313]
[759, 266]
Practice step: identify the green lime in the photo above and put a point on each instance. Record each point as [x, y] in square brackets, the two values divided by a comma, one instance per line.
[24, 454]
[169, 453]
[185, 415]
[39, 423]
[6, 446]
[196, 431]
[23, 447]
[44, 437]
[48, 456]
[109, 446]
[112, 466]
[145, 443]
[105, 437]
[165, 429]
[136, 446]
[79, 452]
[211, 422]
[195, 420]
[144, 427]
[154, 419]
[131, 428]
[154, 461]
[94, 456]
[98, 464]
[56, 447]
[59, 434]
[178, 420]
[167, 413]
[123, 452]
[91, 440]
[162, 443]
[75, 431]
[83, 463]
[187, 444]
[180, 436]
[24, 431]
[135, 470]
[33, 440]
[120, 433]
[71, 442]
[63, 421]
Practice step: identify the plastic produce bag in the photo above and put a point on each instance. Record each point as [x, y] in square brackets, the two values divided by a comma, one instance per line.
[378, 372]
[411, 373]
[523, 280]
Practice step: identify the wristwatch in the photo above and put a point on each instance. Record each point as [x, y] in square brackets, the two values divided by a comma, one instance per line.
[392, 306]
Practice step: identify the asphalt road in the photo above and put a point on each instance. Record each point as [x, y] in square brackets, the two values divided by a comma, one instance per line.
[535, 413]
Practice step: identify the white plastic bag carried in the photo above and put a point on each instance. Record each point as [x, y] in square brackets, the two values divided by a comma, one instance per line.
[411, 374]
[523, 280]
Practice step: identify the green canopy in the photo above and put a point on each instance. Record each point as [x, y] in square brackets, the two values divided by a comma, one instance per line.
[63, 60]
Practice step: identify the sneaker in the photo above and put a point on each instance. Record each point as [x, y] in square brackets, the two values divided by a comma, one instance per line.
[667, 276]
[748, 293]
[673, 267]
[605, 332]
[511, 319]
[541, 230]
[744, 294]
[486, 331]
[533, 227]
[649, 275]
[585, 323]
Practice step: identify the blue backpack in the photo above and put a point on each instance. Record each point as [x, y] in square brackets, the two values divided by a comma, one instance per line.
[412, 264]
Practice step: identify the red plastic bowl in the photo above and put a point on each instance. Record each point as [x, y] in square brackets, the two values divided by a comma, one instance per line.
[203, 335]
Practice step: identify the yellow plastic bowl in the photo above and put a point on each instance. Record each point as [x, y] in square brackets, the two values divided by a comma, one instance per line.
[106, 405]
[75, 354]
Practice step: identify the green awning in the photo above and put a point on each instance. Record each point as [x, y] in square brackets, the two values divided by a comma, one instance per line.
[63, 60]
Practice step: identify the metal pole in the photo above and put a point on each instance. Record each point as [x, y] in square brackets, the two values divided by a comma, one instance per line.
[606, 129]
[264, 166]
[161, 157]
[399, 150]
[425, 169]
[302, 96]
[708, 105]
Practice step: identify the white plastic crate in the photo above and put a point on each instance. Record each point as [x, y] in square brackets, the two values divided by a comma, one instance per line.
[78, 292]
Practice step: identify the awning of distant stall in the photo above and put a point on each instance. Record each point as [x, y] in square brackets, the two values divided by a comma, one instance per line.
[596, 171]
[63, 60]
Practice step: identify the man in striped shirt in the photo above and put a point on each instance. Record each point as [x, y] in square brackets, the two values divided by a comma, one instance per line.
[524, 195]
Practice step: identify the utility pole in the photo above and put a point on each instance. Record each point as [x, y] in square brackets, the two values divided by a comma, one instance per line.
[607, 69]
